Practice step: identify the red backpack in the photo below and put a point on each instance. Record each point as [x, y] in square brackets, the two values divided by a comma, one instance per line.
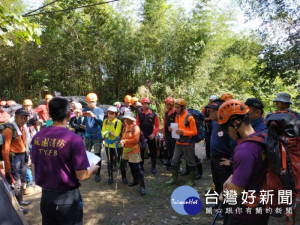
[282, 150]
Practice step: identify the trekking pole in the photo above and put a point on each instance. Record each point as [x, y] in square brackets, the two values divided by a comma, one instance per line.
[116, 150]
[216, 214]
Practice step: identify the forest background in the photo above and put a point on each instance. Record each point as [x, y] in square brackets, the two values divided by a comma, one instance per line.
[156, 50]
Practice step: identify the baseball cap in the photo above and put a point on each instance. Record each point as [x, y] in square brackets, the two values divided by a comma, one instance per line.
[21, 112]
[216, 104]
[254, 102]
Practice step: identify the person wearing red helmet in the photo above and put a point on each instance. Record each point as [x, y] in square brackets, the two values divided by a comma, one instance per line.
[42, 110]
[148, 122]
[93, 117]
[249, 165]
[169, 118]
[4, 116]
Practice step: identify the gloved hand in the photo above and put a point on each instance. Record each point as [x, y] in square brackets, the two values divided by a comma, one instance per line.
[106, 134]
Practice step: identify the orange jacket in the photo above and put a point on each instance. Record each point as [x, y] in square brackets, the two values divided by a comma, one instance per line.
[132, 138]
[19, 145]
[188, 131]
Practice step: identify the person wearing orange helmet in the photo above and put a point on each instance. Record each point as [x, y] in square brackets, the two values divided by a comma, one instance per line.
[127, 100]
[249, 166]
[4, 116]
[148, 122]
[136, 106]
[93, 117]
[169, 118]
[221, 150]
[42, 110]
[226, 96]
[185, 144]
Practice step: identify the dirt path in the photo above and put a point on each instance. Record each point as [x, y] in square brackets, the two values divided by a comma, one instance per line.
[119, 204]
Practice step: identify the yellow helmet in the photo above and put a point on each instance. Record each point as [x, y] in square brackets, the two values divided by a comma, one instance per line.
[91, 97]
[226, 96]
[27, 102]
[180, 101]
[127, 98]
[48, 96]
[133, 100]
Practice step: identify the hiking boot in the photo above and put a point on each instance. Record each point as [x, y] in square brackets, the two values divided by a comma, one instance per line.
[97, 176]
[19, 196]
[174, 177]
[135, 179]
[192, 176]
[142, 187]
[199, 172]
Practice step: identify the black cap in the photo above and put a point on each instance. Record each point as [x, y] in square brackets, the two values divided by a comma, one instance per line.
[254, 102]
[21, 112]
[215, 104]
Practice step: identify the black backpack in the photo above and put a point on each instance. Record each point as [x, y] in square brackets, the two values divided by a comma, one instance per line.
[14, 135]
[199, 119]
[283, 148]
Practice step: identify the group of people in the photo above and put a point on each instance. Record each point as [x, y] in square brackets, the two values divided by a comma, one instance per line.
[59, 160]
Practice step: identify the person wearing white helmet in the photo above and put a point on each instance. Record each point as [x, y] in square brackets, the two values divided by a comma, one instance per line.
[111, 131]
[208, 125]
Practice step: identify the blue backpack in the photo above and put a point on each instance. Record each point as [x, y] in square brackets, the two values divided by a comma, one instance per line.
[199, 119]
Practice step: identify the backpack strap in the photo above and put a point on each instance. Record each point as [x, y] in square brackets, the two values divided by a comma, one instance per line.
[186, 121]
[116, 124]
[13, 129]
[105, 122]
[132, 130]
[257, 137]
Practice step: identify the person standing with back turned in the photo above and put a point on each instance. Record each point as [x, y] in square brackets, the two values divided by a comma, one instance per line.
[59, 160]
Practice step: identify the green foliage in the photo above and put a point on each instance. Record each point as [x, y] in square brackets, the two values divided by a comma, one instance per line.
[281, 34]
[159, 52]
[14, 28]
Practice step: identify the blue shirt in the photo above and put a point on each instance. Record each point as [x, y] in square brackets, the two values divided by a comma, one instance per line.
[221, 142]
[259, 125]
[93, 125]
